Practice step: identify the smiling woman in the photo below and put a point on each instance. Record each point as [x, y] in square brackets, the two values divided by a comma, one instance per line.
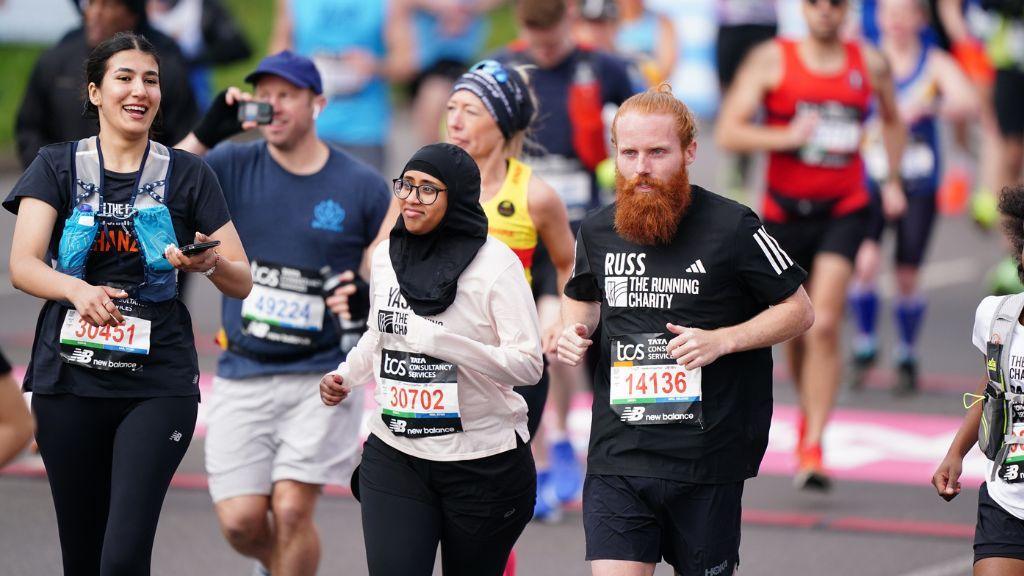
[114, 369]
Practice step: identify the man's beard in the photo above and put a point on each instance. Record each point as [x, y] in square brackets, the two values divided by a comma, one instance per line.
[651, 218]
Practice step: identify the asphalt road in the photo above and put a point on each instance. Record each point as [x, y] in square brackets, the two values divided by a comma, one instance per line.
[885, 526]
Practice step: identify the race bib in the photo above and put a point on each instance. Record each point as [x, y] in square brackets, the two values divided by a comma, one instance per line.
[1012, 469]
[836, 137]
[570, 181]
[648, 387]
[109, 348]
[918, 161]
[286, 305]
[419, 395]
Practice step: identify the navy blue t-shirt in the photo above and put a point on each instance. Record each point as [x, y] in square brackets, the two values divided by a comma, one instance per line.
[171, 367]
[294, 228]
[555, 158]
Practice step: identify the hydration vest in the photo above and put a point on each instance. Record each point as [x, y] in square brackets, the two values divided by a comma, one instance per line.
[998, 413]
[153, 230]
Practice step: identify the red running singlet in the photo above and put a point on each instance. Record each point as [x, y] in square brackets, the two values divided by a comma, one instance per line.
[827, 172]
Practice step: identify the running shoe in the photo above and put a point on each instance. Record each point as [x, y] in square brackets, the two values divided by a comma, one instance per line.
[984, 209]
[510, 566]
[547, 509]
[566, 472]
[906, 377]
[810, 473]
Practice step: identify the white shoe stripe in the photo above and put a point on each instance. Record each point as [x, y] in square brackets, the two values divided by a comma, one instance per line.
[767, 254]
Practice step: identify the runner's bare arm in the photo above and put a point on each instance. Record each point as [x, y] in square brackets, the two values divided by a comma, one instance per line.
[947, 475]
[399, 64]
[737, 130]
[694, 348]
[31, 272]
[959, 100]
[552, 221]
[281, 35]
[894, 132]
[232, 275]
[15, 420]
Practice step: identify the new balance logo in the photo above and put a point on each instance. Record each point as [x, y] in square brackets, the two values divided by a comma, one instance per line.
[633, 413]
[176, 436]
[397, 426]
[697, 268]
[81, 356]
[777, 257]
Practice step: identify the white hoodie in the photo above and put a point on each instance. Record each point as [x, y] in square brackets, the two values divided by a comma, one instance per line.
[490, 332]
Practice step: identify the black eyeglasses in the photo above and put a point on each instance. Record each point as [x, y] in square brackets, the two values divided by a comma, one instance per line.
[833, 3]
[425, 193]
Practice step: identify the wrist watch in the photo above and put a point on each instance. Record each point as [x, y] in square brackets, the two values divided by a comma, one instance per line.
[213, 268]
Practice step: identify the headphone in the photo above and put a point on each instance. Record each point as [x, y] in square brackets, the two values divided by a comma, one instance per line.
[316, 111]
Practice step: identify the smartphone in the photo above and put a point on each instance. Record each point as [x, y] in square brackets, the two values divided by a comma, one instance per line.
[258, 112]
[193, 249]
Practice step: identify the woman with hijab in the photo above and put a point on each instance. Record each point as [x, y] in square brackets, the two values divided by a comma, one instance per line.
[453, 329]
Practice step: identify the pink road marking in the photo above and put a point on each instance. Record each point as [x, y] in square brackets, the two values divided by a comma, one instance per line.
[860, 445]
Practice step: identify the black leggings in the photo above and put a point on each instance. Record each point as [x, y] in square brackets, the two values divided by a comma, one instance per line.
[536, 397]
[109, 462]
[475, 509]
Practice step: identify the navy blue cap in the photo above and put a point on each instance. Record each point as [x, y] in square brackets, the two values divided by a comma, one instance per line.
[296, 69]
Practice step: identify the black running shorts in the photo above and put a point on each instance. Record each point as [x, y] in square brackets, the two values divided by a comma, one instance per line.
[913, 229]
[803, 239]
[998, 534]
[693, 527]
[1009, 93]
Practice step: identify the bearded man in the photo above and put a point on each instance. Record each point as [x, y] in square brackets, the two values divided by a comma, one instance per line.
[692, 293]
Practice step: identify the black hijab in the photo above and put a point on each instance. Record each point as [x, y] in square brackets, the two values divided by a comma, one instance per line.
[428, 265]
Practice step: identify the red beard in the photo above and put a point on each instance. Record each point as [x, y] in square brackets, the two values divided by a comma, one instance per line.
[651, 218]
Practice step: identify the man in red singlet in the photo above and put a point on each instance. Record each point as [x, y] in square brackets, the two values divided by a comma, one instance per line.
[816, 93]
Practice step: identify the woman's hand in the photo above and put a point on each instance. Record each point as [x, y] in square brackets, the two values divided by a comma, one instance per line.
[197, 262]
[332, 391]
[95, 305]
[947, 477]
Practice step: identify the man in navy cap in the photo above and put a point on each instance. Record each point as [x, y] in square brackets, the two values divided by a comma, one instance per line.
[306, 212]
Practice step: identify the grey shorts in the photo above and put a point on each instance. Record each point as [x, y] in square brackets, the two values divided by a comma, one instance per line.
[266, 429]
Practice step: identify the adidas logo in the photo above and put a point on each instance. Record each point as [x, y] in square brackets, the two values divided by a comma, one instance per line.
[697, 268]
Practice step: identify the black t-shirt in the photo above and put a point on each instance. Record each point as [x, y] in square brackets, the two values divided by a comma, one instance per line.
[720, 270]
[196, 203]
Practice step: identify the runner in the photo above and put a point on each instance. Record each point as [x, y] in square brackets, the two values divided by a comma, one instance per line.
[817, 93]
[929, 84]
[15, 421]
[998, 334]
[521, 208]
[114, 372]
[270, 444]
[692, 292]
[454, 330]
[573, 84]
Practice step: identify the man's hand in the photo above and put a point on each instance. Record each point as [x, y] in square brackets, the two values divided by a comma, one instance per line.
[947, 477]
[200, 262]
[573, 344]
[801, 128]
[338, 301]
[894, 201]
[693, 347]
[332, 391]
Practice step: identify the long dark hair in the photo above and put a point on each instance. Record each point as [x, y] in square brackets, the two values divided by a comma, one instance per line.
[96, 68]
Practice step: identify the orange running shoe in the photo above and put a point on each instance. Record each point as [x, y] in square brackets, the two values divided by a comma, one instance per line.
[810, 474]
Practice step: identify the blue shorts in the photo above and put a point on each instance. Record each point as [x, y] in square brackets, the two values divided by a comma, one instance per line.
[913, 229]
[693, 527]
